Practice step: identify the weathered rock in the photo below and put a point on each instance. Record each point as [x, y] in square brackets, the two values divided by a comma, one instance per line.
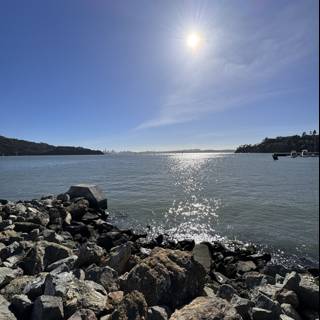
[220, 278]
[8, 274]
[132, 307]
[16, 286]
[47, 308]
[83, 314]
[246, 266]
[202, 255]
[78, 294]
[308, 292]
[269, 290]
[285, 317]
[92, 193]
[205, 308]
[21, 306]
[115, 297]
[287, 296]
[290, 311]
[78, 209]
[64, 197]
[264, 302]
[42, 255]
[119, 257]
[36, 287]
[167, 277]
[291, 281]
[262, 314]
[89, 253]
[157, 313]
[69, 262]
[273, 269]
[5, 313]
[106, 276]
[253, 279]
[242, 305]
[226, 292]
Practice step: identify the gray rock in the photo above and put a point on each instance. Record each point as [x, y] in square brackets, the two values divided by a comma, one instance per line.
[78, 294]
[308, 292]
[69, 261]
[157, 313]
[226, 292]
[253, 279]
[291, 281]
[202, 255]
[264, 302]
[47, 308]
[274, 269]
[16, 286]
[5, 313]
[21, 305]
[35, 288]
[119, 257]
[92, 193]
[83, 314]
[8, 274]
[246, 266]
[205, 308]
[220, 277]
[106, 276]
[64, 197]
[290, 311]
[89, 253]
[167, 277]
[287, 296]
[262, 314]
[133, 306]
[269, 290]
[242, 305]
[285, 317]
[42, 255]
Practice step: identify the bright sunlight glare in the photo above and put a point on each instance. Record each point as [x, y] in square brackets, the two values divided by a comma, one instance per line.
[194, 41]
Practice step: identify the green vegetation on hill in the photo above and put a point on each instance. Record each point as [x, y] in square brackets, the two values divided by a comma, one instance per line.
[284, 144]
[12, 147]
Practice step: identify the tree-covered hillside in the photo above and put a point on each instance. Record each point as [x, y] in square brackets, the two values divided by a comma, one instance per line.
[284, 144]
[12, 147]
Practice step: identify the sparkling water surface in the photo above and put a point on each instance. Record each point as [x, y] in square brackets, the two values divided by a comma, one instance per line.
[248, 197]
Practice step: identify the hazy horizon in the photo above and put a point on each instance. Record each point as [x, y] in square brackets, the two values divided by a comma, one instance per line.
[158, 75]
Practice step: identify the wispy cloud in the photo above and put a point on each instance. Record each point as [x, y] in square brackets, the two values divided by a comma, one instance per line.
[241, 66]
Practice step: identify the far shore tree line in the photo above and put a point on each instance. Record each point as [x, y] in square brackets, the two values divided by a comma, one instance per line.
[305, 141]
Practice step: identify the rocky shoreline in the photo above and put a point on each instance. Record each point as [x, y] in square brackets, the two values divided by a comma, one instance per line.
[60, 258]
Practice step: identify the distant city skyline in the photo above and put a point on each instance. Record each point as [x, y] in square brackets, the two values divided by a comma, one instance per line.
[158, 75]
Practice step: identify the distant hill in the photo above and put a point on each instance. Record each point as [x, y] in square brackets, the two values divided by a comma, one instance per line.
[12, 147]
[284, 144]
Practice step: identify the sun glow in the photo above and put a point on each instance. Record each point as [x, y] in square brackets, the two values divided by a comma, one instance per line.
[194, 41]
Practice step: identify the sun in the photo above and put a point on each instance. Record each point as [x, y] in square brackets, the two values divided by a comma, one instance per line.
[194, 41]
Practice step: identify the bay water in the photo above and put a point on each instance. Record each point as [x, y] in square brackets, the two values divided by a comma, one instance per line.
[205, 196]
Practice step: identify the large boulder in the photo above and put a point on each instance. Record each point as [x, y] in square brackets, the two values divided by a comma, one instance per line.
[42, 255]
[207, 308]
[132, 307]
[166, 277]
[92, 193]
[77, 294]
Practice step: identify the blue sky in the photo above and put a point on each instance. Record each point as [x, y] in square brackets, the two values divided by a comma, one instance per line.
[119, 74]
